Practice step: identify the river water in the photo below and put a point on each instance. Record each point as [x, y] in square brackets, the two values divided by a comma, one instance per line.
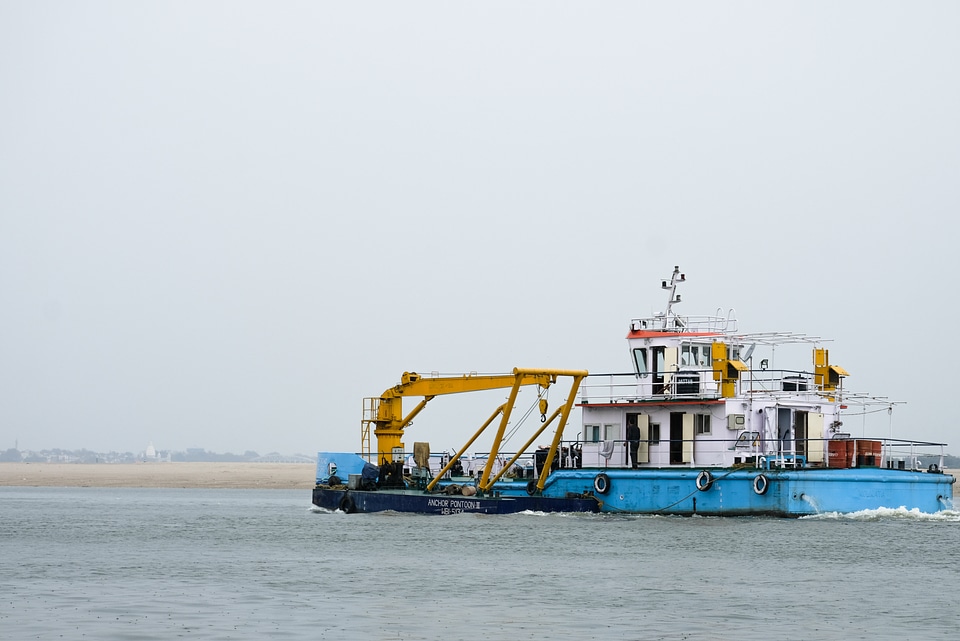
[137, 564]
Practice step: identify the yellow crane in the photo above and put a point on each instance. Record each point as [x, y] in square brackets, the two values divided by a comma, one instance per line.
[385, 414]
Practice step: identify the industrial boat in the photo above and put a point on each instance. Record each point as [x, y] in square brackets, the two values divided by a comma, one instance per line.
[705, 423]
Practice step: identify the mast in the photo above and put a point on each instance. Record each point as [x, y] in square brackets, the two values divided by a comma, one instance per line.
[676, 278]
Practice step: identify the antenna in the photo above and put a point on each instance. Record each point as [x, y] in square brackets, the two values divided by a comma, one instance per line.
[677, 277]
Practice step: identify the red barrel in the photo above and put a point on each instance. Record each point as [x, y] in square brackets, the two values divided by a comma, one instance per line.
[837, 453]
[869, 453]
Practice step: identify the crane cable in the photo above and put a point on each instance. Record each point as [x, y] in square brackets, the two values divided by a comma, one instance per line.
[541, 394]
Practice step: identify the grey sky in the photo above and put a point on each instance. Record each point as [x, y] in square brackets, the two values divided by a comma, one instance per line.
[223, 224]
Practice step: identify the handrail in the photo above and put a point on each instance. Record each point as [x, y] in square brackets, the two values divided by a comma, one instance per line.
[676, 323]
[890, 451]
[894, 450]
[700, 382]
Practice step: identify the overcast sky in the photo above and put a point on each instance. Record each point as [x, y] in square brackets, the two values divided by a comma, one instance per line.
[223, 224]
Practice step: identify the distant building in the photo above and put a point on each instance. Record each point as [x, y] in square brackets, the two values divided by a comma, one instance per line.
[151, 455]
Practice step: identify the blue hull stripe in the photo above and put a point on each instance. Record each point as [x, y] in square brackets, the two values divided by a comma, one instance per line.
[732, 491]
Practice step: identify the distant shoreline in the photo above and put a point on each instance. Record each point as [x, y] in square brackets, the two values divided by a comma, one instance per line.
[277, 476]
[280, 476]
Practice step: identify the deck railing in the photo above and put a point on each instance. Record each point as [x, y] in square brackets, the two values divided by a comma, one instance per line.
[692, 324]
[902, 454]
[619, 387]
[894, 453]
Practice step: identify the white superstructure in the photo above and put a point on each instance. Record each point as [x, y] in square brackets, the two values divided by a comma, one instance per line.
[704, 394]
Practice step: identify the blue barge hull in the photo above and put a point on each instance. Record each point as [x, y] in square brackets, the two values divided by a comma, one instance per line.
[752, 491]
[421, 503]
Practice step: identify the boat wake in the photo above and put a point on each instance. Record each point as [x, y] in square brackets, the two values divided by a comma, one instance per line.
[320, 510]
[887, 514]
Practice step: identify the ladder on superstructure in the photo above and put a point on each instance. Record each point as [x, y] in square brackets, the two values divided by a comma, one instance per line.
[370, 408]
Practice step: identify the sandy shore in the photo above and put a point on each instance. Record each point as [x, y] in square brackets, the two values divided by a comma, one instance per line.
[281, 476]
[289, 476]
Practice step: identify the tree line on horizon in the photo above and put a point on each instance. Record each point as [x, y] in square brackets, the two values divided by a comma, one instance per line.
[57, 455]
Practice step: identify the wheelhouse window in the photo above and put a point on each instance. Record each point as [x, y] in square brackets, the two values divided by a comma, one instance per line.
[695, 355]
[640, 361]
[701, 423]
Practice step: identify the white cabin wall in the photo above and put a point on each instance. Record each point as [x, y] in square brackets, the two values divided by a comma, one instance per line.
[609, 420]
[713, 448]
[708, 449]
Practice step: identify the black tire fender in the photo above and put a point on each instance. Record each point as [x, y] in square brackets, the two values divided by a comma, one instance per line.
[347, 505]
[601, 483]
[761, 484]
[532, 488]
[704, 480]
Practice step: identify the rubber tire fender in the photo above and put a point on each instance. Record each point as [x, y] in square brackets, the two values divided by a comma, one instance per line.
[601, 483]
[704, 480]
[531, 488]
[761, 484]
[347, 506]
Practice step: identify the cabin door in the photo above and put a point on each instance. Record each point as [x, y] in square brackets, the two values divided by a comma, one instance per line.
[676, 438]
[784, 430]
[670, 355]
[642, 421]
[643, 454]
[815, 446]
[664, 364]
[800, 431]
[659, 365]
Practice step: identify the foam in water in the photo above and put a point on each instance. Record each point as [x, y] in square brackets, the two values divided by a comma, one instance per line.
[900, 513]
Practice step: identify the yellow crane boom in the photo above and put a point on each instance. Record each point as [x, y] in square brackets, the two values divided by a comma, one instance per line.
[385, 414]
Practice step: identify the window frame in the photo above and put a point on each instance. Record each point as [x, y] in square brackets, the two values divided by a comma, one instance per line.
[640, 352]
[653, 433]
[702, 424]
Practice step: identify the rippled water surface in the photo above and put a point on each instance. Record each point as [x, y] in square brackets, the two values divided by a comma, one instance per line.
[253, 564]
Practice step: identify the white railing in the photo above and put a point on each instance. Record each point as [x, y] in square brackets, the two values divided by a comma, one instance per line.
[895, 453]
[627, 388]
[673, 323]
[695, 384]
